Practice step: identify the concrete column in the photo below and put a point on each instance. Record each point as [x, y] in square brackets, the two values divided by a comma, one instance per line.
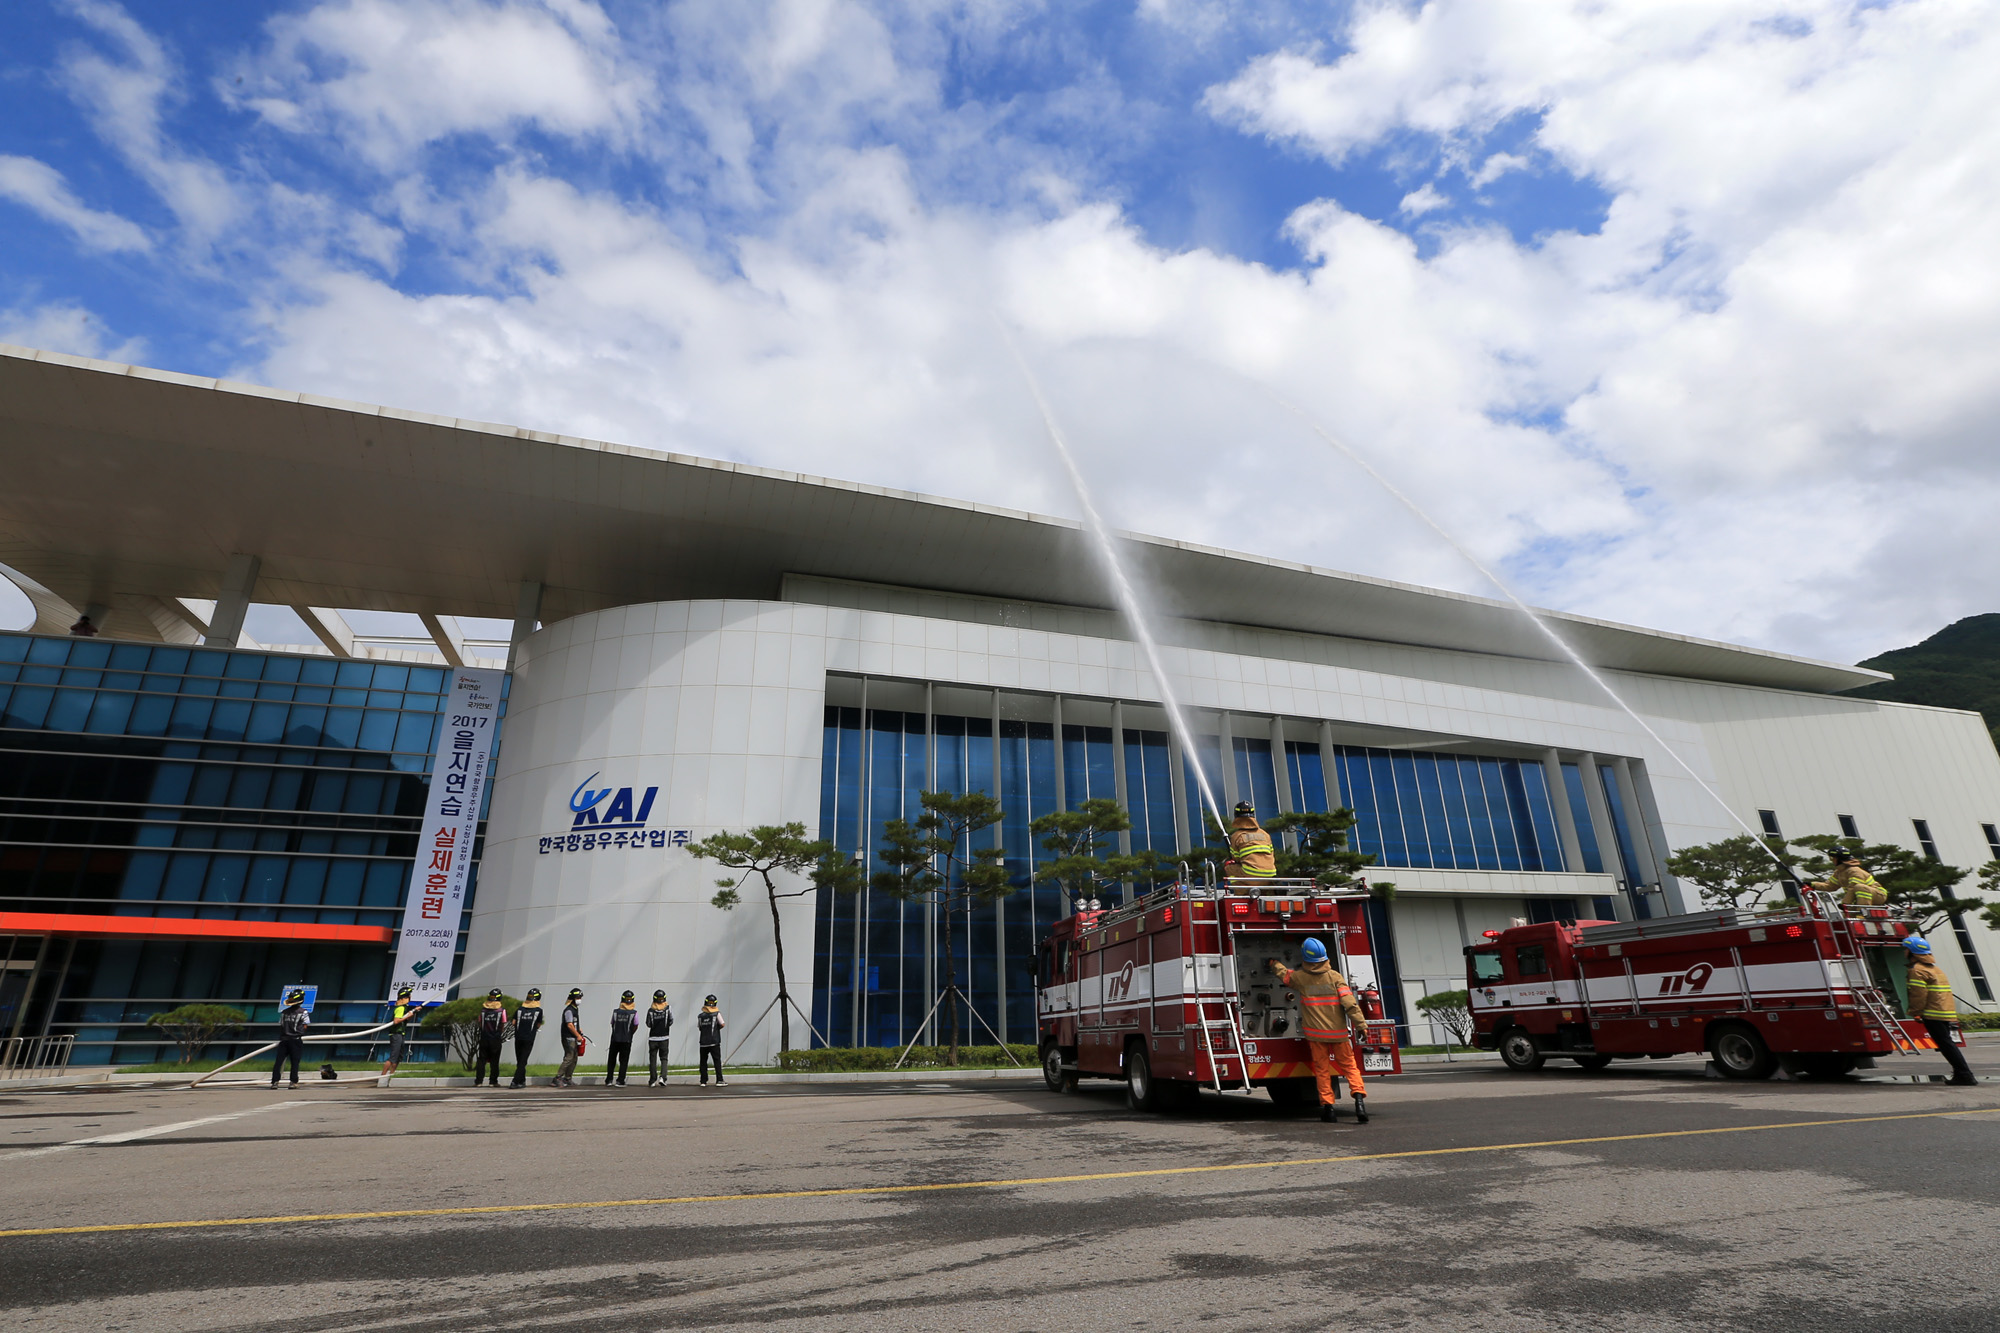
[1652, 858]
[444, 633]
[1177, 772]
[329, 627]
[527, 616]
[1226, 739]
[1281, 768]
[239, 582]
[1327, 767]
[1119, 778]
[1572, 846]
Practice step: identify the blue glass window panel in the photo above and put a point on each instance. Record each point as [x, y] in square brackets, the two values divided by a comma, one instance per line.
[1397, 837]
[144, 874]
[312, 694]
[1462, 853]
[349, 698]
[267, 723]
[206, 662]
[185, 873]
[427, 680]
[343, 728]
[194, 685]
[172, 661]
[304, 725]
[48, 652]
[81, 679]
[243, 666]
[129, 656]
[354, 675]
[149, 715]
[1308, 771]
[384, 884]
[1208, 753]
[364, 794]
[1579, 813]
[122, 680]
[40, 675]
[1255, 781]
[318, 671]
[228, 720]
[282, 668]
[1417, 833]
[14, 648]
[249, 787]
[1539, 830]
[28, 705]
[413, 733]
[1627, 853]
[343, 883]
[385, 699]
[388, 677]
[90, 653]
[69, 711]
[378, 730]
[235, 839]
[266, 882]
[274, 691]
[237, 689]
[328, 789]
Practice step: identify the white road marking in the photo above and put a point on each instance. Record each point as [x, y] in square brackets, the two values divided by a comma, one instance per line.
[131, 1135]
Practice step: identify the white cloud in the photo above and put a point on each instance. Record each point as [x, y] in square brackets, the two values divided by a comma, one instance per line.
[392, 76]
[124, 100]
[1426, 199]
[62, 326]
[41, 188]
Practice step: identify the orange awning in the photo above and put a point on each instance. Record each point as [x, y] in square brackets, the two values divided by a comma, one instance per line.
[80, 925]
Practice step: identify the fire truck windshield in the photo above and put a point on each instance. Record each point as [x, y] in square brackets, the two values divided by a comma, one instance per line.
[1486, 965]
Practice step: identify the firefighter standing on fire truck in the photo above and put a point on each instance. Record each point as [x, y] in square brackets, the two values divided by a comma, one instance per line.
[1250, 853]
[1931, 1004]
[1856, 887]
[1330, 1021]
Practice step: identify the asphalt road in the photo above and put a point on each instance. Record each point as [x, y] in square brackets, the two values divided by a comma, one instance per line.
[1702, 1205]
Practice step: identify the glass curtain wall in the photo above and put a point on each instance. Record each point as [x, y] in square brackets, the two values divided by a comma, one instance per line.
[1449, 811]
[170, 781]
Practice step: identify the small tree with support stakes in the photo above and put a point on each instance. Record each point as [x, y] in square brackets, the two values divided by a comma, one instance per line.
[765, 853]
[193, 1026]
[1082, 867]
[914, 851]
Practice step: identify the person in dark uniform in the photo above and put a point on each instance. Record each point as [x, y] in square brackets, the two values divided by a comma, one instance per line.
[399, 1036]
[572, 1040]
[659, 1022]
[527, 1022]
[492, 1035]
[293, 1021]
[624, 1022]
[708, 1023]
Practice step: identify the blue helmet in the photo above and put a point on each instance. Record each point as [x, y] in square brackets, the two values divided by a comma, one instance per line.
[1917, 944]
[1314, 951]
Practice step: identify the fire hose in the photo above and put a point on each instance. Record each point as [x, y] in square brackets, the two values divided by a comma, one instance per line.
[268, 1047]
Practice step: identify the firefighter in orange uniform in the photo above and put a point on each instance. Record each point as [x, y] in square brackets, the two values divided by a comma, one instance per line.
[1251, 855]
[1331, 1022]
[1931, 1004]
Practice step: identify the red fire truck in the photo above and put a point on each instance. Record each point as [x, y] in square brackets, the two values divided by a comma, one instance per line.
[1175, 991]
[1812, 987]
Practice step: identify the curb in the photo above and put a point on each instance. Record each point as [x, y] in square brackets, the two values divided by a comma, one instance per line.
[691, 1081]
[58, 1081]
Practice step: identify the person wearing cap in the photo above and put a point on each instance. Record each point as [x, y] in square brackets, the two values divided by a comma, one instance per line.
[624, 1022]
[1251, 855]
[403, 1011]
[708, 1024]
[493, 1021]
[572, 1039]
[659, 1022]
[1328, 1014]
[293, 1020]
[1856, 887]
[1931, 1004]
[527, 1022]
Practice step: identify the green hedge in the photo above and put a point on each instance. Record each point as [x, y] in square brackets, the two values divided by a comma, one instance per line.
[846, 1059]
[1973, 1022]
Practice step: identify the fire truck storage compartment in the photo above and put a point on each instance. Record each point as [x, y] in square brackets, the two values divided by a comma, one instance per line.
[1269, 1009]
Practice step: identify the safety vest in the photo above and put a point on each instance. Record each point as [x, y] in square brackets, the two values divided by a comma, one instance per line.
[1327, 1007]
[1861, 888]
[1254, 856]
[1930, 993]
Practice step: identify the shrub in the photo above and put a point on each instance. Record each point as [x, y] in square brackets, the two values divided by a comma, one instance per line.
[1450, 1010]
[459, 1021]
[193, 1026]
[861, 1059]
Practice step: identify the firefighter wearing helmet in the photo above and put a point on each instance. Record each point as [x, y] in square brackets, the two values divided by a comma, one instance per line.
[1931, 1004]
[293, 1020]
[405, 1009]
[1856, 887]
[573, 1044]
[1330, 1021]
[1250, 853]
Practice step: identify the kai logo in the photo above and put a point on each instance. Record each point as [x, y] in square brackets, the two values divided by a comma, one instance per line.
[1691, 981]
[1119, 985]
[621, 809]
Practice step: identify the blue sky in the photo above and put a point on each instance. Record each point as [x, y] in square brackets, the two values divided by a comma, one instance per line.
[1641, 300]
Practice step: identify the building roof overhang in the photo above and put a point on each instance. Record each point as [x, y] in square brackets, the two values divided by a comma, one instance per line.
[124, 482]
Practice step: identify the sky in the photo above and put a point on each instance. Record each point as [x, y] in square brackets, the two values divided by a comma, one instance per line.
[1683, 315]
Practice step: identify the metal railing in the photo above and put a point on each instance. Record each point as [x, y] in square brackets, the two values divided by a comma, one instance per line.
[35, 1057]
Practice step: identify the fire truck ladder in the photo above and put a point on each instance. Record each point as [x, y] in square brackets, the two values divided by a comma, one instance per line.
[1865, 994]
[1208, 1027]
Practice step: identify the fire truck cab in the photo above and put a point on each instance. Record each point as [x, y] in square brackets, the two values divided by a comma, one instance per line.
[1812, 987]
[1174, 992]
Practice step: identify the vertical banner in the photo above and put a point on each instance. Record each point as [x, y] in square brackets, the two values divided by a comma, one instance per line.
[436, 897]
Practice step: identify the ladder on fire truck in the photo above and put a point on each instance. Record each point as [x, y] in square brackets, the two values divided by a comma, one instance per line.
[1226, 995]
[1849, 950]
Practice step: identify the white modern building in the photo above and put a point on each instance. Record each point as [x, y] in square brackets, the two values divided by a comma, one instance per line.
[703, 646]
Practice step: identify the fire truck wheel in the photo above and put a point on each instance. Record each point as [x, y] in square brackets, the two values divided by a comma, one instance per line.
[1592, 1062]
[1518, 1050]
[1739, 1052]
[1053, 1073]
[1142, 1093]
